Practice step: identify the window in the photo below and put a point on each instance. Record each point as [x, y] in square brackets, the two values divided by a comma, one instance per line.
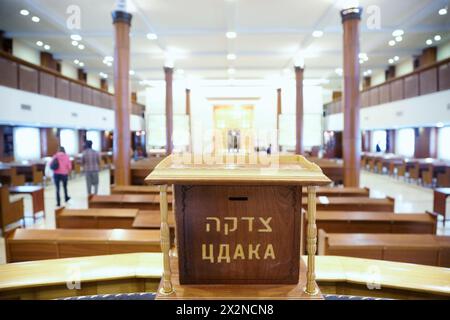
[379, 137]
[405, 142]
[444, 143]
[94, 136]
[69, 140]
[27, 145]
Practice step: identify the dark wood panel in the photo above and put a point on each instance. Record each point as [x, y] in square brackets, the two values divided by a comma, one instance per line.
[385, 95]
[411, 86]
[96, 98]
[47, 84]
[75, 92]
[28, 79]
[428, 81]
[62, 89]
[374, 98]
[87, 95]
[397, 90]
[8, 76]
[365, 99]
[444, 77]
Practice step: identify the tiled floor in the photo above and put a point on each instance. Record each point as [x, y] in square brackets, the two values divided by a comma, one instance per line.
[408, 198]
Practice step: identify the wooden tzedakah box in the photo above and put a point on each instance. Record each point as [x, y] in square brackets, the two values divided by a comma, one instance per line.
[237, 222]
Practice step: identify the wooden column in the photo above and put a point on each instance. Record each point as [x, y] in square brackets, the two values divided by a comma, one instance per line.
[122, 23]
[351, 98]
[169, 109]
[299, 110]
[188, 113]
[425, 143]
[278, 116]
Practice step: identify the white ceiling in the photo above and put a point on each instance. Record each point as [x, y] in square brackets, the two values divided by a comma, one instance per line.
[270, 34]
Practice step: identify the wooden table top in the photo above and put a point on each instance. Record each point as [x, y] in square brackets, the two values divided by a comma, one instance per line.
[99, 212]
[86, 235]
[373, 216]
[25, 189]
[287, 170]
[125, 198]
[445, 191]
[138, 189]
[396, 275]
[383, 239]
[345, 200]
[148, 219]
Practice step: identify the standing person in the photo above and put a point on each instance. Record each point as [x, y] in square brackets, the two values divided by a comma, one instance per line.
[91, 164]
[61, 166]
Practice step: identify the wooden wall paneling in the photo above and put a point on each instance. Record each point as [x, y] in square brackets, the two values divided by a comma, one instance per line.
[444, 77]
[47, 84]
[428, 56]
[365, 99]
[374, 96]
[385, 95]
[28, 79]
[425, 143]
[96, 98]
[397, 89]
[9, 74]
[62, 89]
[411, 86]
[49, 141]
[87, 95]
[390, 143]
[75, 92]
[428, 81]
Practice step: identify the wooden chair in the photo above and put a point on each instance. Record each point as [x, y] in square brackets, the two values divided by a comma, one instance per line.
[10, 212]
[427, 176]
[10, 177]
[443, 179]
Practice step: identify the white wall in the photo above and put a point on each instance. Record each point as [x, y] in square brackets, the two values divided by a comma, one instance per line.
[404, 67]
[377, 78]
[443, 51]
[52, 112]
[93, 80]
[25, 52]
[422, 111]
[68, 70]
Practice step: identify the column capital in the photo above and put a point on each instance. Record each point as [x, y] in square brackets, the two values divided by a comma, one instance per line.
[121, 16]
[351, 14]
[298, 69]
[168, 69]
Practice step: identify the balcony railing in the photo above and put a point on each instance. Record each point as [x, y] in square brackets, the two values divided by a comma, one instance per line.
[23, 75]
[429, 79]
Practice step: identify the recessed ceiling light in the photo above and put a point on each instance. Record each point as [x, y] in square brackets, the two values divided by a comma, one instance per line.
[76, 61]
[76, 37]
[35, 19]
[443, 11]
[47, 47]
[396, 58]
[81, 47]
[231, 35]
[231, 56]
[398, 33]
[391, 61]
[429, 42]
[317, 33]
[399, 39]
[439, 124]
[108, 59]
[437, 38]
[24, 12]
[75, 43]
[392, 43]
[231, 71]
[39, 43]
[339, 71]
[81, 64]
[132, 72]
[369, 71]
[152, 36]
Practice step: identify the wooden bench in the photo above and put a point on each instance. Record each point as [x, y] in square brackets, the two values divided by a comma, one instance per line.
[341, 192]
[9, 176]
[412, 248]
[353, 204]
[42, 244]
[136, 189]
[375, 222]
[140, 170]
[138, 201]
[98, 218]
[10, 212]
[31, 172]
[151, 219]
